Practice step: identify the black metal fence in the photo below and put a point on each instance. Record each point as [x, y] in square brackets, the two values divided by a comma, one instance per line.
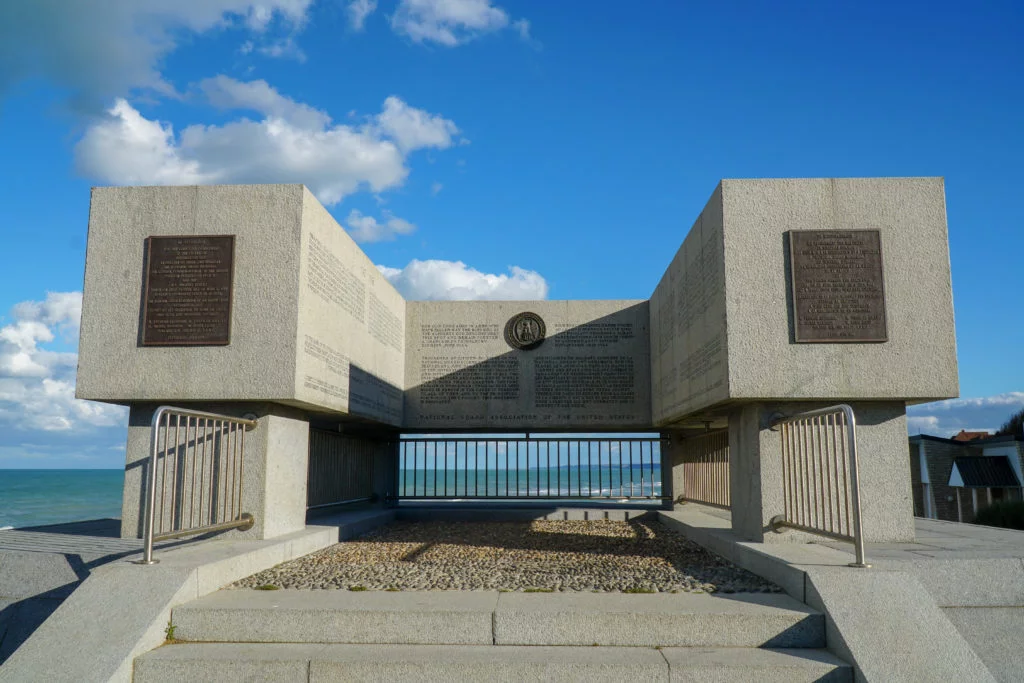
[341, 468]
[620, 468]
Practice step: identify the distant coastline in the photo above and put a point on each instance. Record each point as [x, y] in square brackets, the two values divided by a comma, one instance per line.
[38, 497]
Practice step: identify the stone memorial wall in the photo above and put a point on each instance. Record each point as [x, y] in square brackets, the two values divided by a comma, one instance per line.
[689, 369]
[351, 326]
[814, 289]
[536, 364]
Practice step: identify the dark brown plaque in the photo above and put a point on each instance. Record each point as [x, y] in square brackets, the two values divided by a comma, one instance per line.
[838, 293]
[188, 291]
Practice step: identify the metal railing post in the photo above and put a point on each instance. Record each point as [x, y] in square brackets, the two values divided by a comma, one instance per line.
[243, 521]
[807, 490]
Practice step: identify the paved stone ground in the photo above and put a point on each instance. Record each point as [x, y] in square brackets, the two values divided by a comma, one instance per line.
[601, 556]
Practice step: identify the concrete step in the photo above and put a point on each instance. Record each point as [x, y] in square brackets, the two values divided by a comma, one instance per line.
[486, 618]
[449, 664]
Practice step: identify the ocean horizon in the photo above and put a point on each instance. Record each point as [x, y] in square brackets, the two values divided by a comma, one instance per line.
[40, 497]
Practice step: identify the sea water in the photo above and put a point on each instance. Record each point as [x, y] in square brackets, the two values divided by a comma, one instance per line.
[37, 497]
[598, 481]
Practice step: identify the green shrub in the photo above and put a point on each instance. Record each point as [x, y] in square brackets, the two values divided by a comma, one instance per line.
[1008, 514]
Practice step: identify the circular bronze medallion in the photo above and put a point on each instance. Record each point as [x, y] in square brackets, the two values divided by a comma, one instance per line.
[525, 331]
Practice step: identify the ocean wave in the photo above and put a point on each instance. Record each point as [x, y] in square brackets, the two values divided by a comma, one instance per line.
[6, 528]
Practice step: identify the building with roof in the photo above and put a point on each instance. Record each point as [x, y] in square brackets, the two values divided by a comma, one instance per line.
[954, 478]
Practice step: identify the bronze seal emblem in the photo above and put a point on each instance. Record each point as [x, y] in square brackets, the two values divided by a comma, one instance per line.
[525, 331]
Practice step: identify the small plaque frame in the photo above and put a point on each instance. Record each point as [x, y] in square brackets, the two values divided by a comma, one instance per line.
[837, 286]
[188, 290]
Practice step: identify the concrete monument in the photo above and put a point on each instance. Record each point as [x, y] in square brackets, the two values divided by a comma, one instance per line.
[785, 295]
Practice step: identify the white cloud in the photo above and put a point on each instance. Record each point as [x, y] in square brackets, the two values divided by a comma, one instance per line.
[436, 188]
[451, 22]
[358, 11]
[227, 93]
[413, 128]
[946, 418]
[455, 281]
[128, 149]
[292, 143]
[369, 229]
[37, 384]
[102, 50]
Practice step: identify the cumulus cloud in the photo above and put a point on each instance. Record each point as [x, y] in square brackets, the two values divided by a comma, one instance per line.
[37, 384]
[452, 22]
[102, 50]
[946, 418]
[291, 143]
[369, 229]
[258, 96]
[455, 281]
[413, 128]
[358, 11]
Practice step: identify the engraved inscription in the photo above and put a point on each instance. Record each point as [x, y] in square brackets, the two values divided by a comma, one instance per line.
[700, 285]
[580, 381]
[385, 326]
[592, 335]
[837, 288]
[449, 335]
[335, 361]
[446, 379]
[333, 282]
[188, 293]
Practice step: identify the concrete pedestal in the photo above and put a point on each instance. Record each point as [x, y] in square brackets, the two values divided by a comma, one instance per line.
[273, 475]
[756, 471]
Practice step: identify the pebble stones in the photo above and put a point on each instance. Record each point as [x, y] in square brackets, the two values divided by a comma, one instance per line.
[601, 556]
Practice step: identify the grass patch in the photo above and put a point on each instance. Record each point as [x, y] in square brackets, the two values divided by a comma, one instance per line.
[267, 587]
[538, 590]
[392, 589]
[639, 590]
[356, 589]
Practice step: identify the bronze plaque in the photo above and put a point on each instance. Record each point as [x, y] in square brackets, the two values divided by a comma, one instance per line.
[187, 300]
[838, 293]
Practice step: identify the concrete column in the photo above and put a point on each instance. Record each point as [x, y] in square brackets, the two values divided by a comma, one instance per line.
[672, 466]
[756, 471]
[385, 472]
[274, 471]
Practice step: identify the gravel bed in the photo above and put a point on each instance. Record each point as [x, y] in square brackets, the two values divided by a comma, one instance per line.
[601, 556]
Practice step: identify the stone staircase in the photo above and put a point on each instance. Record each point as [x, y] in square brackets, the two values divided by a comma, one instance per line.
[292, 635]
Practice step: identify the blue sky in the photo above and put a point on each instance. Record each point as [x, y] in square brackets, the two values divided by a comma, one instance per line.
[497, 149]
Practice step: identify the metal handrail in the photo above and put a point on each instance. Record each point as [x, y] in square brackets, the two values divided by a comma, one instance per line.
[213, 425]
[818, 450]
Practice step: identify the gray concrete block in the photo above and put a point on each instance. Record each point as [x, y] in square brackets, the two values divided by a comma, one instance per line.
[918, 362]
[388, 663]
[997, 636]
[890, 628]
[737, 620]
[19, 620]
[122, 610]
[724, 665]
[997, 582]
[118, 612]
[226, 662]
[24, 574]
[338, 617]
